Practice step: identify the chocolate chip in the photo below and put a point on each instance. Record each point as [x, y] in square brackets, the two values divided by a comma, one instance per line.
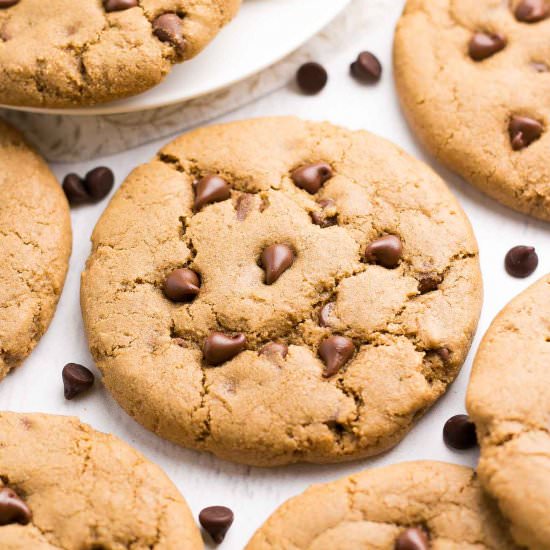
[168, 28]
[325, 313]
[459, 432]
[220, 347]
[211, 189]
[216, 521]
[521, 261]
[274, 348]
[428, 282]
[76, 379]
[8, 3]
[12, 508]
[76, 193]
[182, 285]
[386, 251]
[99, 182]
[335, 351]
[532, 11]
[523, 131]
[320, 218]
[245, 204]
[312, 176]
[275, 260]
[444, 354]
[311, 78]
[366, 68]
[119, 5]
[484, 45]
[412, 538]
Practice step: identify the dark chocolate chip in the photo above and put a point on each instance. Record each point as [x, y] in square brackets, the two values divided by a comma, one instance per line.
[429, 282]
[320, 218]
[76, 379]
[312, 176]
[8, 3]
[76, 193]
[311, 78]
[275, 260]
[12, 508]
[523, 131]
[459, 432]
[412, 538]
[168, 28]
[216, 521]
[335, 351]
[484, 45]
[521, 261]
[532, 11]
[211, 189]
[274, 348]
[182, 285]
[99, 182]
[220, 347]
[325, 313]
[366, 68]
[119, 5]
[386, 251]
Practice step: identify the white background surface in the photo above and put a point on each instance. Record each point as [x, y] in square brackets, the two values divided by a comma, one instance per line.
[254, 493]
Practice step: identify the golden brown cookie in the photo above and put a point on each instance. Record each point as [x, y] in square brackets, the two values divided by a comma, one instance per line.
[53, 55]
[474, 81]
[277, 291]
[35, 244]
[509, 400]
[64, 486]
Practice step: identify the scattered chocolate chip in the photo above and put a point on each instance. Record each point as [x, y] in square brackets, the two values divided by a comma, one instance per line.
[7, 3]
[216, 521]
[211, 189]
[459, 432]
[275, 260]
[320, 218]
[521, 261]
[119, 5]
[412, 538]
[428, 282]
[274, 348]
[366, 68]
[312, 176]
[12, 508]
[220, 347]
[311, 78]
[444, 354]
[99, 182]
[76, 379]
[168, 28]
[335, 351]
[325, 313]
[76, 193]
[523, 131]
[532, 11]
[484, 45]
[386, 251]
[182, 285]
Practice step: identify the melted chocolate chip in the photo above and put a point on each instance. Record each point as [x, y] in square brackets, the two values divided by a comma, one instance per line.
[216, 521]
[182, 285]
[335, 351]
[532, 11]
[12, 508]
[428, 282]
[119, 5]
[521, 261]
[412, 538]
[312, 176]
[311, 78]
[386, 251]
[245, 205]
[459, 432]
[220, 347]
[168, 28]
[76, 379]
[211, 189]
[366, 68]
[275, 260]
[320, 218]
[274, 348]
[484, 45]
[524, 131]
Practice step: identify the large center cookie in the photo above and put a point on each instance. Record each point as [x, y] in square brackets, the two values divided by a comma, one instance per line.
[474, 81]
[55, 55]
[277, 291]
[509, 400]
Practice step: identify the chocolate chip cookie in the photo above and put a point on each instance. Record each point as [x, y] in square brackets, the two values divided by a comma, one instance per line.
[35, 244]
[65, 486]
[409, 506]
[474, 82]
[277, 291]
[509, 400]
[53, 55]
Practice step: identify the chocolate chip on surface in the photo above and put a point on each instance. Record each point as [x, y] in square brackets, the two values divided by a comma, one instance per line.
[274, 348]
[321, 218]
[12, 508]
[484, 45]
[532, 11]
[275, 260]
[99, 182]
[311, 177]
[182, 285]
[216, 521]
[429, 282]
[119, 5]
[524, 131]
[76, 193]
[386, 251]
[168, 28]
[459, 432]
[366, 68]
[76, 379]
[311, 78]
[412, 538]
[521, 261]
[325, 313]
[220, 347]
[210, 189]
[335, 351]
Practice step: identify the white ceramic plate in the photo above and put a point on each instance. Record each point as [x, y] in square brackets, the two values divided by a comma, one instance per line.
[263, 32]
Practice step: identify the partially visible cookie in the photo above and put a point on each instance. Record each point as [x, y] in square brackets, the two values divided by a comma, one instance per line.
[474, 81]
[66, 486]
[409, 506]
[35, 244]
[509, 400]
[53, 55]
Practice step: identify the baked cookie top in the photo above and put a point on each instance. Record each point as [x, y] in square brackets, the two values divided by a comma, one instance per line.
[35, 244]
[509, 400]
[277, 291]
[474, 81]
[65, 486]
[53, 55]
[414, 505]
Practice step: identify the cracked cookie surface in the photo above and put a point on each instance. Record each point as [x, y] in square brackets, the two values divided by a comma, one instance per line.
[356, 351]
[509, 401]
[35, 244]
[374, 509]
[468, 72]
[53, 55]
[86, 489]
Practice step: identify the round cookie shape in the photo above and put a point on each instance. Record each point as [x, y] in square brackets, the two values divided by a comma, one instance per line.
[85, 489]
[35, 244]
[52, 55]
[474, 80]
[298, 346]
[413, 505]
[509, 401]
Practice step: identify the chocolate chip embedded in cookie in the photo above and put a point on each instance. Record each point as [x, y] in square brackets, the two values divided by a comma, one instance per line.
[224, 318]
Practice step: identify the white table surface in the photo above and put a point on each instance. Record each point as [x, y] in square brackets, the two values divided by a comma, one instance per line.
[254, 493]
